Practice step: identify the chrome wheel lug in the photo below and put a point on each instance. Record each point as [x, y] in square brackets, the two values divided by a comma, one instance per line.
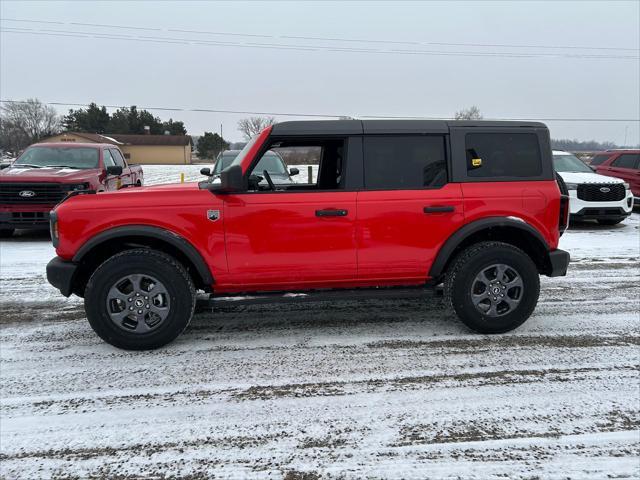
[130, 308]
[140, 312]
[130, 299]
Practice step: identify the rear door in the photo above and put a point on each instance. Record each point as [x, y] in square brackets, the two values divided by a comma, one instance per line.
[408, 207]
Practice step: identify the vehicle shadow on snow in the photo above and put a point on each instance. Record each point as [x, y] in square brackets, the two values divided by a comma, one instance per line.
[322, 315]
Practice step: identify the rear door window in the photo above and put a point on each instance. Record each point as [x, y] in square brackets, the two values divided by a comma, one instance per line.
[502, 155]
[626, 160]
[405, 162]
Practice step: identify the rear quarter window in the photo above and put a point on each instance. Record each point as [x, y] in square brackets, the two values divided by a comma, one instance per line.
[502, 155]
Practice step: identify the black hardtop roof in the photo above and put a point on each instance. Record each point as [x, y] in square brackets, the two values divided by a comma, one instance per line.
[359, 127]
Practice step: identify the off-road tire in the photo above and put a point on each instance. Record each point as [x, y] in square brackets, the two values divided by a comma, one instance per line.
[6, 232]
[462, 273]
[163, 267]
[609, 221]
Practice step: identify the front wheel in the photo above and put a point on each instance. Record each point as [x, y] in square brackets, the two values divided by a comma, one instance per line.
[493, 287]
[139, 299]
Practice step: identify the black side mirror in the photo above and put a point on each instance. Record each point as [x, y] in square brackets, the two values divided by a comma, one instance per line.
[4, 165]
[205, 171]
[293, 171]
[231, 181]
[114, 170]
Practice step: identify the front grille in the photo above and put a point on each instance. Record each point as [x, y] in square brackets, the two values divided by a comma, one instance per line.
[593, 192]
[31, 193]
[29, 218]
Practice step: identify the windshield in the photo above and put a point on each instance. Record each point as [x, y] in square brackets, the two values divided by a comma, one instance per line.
[272, 163]
[72, 157]
[223, 162]
[569, 163]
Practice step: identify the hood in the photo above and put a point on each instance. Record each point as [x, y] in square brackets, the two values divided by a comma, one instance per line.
[16, 173]
[154, 188]
[586, 177]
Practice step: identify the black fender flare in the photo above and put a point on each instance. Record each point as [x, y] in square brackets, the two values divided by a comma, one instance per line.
[464, 232]
[183, 245]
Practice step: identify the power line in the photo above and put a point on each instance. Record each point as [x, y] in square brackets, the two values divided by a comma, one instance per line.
[213, 43]
[328, 39]
[322, 115]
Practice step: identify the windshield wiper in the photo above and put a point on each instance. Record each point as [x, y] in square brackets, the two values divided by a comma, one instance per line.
[26, 165]
[63, 166]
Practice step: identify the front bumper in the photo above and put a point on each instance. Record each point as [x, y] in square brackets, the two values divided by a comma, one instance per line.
[39, 219]
[586, 210]
[559, 262]
[60, 274]
[608, 213]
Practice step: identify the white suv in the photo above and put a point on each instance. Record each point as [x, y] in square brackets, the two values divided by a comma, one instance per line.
[592, 196]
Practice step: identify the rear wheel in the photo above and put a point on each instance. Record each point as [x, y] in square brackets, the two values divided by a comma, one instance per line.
[139, 299]
[6, 232]
[493, 287]
[610, 221]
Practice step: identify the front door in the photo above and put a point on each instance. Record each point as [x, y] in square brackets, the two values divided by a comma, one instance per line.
[299, 234]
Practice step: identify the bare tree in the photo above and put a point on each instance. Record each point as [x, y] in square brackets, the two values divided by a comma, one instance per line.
[252, 126]
[26, 122]
[472, 113]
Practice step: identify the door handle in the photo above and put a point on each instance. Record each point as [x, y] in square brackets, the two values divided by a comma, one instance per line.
[439, 209]
[331, 213]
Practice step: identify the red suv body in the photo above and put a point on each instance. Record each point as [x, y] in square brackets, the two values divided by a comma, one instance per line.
[395, 203]
[47, 172]
[624, 164]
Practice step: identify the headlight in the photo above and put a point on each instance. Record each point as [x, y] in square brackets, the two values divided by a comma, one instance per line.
[76, 187]
[571, 186]
[626, 186]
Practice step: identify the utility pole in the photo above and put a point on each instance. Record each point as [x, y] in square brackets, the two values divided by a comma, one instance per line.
[626, 129]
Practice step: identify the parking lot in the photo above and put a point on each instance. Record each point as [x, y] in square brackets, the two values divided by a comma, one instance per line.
[351, 389]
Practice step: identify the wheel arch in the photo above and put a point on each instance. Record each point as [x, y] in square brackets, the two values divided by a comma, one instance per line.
[106, 244]
[515, 232]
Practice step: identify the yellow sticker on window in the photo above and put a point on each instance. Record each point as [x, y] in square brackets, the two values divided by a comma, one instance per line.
[476, 162]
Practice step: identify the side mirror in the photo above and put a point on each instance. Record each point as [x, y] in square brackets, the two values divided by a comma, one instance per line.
[231, 181]
[293, 171]
[205, 171]
[4, 165]
[114, 170]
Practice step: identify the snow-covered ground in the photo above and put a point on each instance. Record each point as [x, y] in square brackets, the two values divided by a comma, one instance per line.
[376, 389]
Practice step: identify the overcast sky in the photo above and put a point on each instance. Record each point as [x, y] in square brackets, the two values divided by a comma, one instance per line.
[376, 80]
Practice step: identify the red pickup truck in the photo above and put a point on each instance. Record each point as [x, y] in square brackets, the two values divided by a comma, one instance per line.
[395, 205]
[47, 172]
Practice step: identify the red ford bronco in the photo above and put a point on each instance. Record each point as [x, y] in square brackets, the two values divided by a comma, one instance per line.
[396, 206]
